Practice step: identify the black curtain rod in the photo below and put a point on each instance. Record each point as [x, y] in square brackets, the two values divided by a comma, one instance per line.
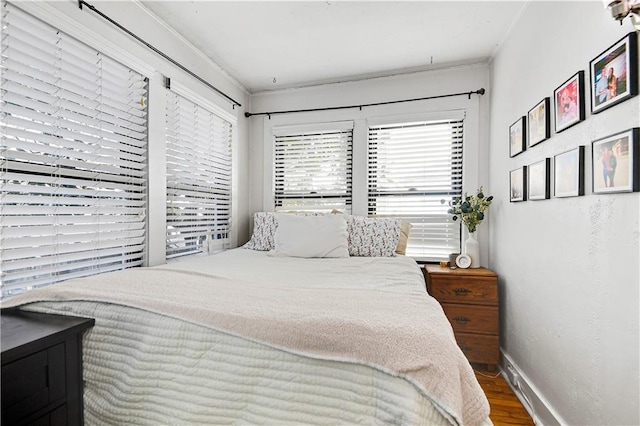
[165, 56]
[269, 114]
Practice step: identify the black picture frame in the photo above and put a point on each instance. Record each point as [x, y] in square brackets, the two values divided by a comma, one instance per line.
[518, 184]
[518, 137]
[568, 100]
[539, 120]
[619, 64]
[615, 163]
[539, 178]
[568, 171]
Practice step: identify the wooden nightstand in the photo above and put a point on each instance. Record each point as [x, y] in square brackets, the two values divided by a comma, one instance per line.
[42, 368]
[469, 298]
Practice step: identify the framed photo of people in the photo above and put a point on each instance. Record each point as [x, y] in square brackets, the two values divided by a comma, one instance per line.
[517, 139]
[615, 163]
[539, 180]
[569, 102]
[518, 184]
[614, 75]
[539, 122]
[568, 168]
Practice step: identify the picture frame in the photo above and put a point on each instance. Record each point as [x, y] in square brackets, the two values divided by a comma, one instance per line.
[539, 174]
[539, 118]
[618, 65]
[615, 163]
[517, 137]
[518, 184]
[568, 169]
[568, 100]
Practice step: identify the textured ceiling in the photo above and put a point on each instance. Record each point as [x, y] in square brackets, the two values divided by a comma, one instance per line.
[272, 45]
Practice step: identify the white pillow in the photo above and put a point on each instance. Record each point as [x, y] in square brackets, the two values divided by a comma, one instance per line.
[264, 229]
[311, 236]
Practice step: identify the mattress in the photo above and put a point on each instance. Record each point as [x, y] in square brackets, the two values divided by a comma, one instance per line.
[144, 365]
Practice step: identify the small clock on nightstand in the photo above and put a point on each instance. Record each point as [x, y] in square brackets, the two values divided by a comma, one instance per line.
[463, 261]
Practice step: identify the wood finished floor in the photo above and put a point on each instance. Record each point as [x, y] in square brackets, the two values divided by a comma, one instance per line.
[506, 408]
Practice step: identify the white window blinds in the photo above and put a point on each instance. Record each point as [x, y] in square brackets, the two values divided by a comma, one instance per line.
[73, 158]
[313, 169]
[198, 178]
[411, 168]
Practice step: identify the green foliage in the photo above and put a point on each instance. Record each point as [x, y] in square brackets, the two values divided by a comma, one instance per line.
[470, 209]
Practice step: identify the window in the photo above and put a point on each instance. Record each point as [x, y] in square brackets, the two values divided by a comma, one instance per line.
[198, 178]
[313, 168]
[73, 158]
[411, 168]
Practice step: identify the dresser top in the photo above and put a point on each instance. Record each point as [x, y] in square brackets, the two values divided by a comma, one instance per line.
[445, 270]
[21, 327]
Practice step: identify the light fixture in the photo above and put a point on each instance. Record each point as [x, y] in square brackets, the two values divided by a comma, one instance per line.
[620, 9]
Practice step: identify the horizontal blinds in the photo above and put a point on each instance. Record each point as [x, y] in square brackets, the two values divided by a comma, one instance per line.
[411, 168]
[313, 170]
[73, 158]
[198, 178]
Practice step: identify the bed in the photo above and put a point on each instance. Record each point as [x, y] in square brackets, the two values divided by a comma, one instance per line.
[247, 338]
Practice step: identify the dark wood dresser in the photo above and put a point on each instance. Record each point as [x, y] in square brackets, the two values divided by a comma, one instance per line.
[42, 368]
[469, 298]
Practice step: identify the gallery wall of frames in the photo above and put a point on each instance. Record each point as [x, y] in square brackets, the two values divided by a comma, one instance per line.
[612, 79]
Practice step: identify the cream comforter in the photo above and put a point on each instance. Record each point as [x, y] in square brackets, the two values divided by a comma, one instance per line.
[356, 313]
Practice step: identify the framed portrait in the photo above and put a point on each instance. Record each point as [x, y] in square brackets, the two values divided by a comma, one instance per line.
[569, 102]
[539, 180]
[518, 184]
[517, 139]
[615, 163]
[614, 75]
[568, 169]
[539, 122]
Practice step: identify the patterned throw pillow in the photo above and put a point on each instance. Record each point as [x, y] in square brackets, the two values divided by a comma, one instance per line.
[372, 237]
[264, 228]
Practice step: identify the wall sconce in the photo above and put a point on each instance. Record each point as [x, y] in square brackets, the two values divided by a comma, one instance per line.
[620, 9]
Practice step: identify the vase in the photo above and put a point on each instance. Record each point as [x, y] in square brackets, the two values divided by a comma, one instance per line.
[472, 249]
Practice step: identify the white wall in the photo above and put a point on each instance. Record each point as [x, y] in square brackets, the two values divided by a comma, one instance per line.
[103, 36]
[569, 274]
[407, 86]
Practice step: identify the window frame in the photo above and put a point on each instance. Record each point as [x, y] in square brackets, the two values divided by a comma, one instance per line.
[475, 154]
[210, 246]
[107, 40]
[287, 131]
[410, 120]
[94, 188]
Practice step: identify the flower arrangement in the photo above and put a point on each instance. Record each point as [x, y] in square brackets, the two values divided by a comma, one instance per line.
[470, 209]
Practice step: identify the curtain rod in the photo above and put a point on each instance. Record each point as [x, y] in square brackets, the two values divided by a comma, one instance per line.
[480, 91]
[165, 56]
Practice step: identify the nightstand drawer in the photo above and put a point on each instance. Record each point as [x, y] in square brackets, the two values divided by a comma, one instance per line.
[479, 348]
[478, 290]
[472, 319]
[33, 382]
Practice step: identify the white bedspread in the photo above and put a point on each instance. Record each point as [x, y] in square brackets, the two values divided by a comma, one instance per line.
[330, 301]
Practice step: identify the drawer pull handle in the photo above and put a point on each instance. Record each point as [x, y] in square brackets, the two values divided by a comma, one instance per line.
[461, 291]
[461, 320]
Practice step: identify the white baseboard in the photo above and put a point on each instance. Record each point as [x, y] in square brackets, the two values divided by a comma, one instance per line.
[532, 399]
